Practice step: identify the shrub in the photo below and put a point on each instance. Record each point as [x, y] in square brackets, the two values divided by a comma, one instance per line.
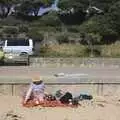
[10, 30]
[35, 34]
[23, 29]
[51, 19]
[44, 50]
[111, 50]
[63, 39]
[11, 21]
[73, 29]
[101, 25]
[64, 50]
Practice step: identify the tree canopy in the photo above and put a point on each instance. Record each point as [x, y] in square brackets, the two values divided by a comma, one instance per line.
[105, 25]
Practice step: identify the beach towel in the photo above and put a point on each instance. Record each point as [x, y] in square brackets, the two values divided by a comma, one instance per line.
[47, 103]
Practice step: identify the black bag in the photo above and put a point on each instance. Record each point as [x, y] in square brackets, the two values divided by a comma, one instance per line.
[85, 97]
[65, 99]
[50, 97]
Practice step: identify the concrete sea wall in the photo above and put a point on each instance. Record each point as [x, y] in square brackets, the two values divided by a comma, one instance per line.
[92, 86]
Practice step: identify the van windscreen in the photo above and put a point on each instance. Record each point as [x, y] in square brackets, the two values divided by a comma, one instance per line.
[18, 42]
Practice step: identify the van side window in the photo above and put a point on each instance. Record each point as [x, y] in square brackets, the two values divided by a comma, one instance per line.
[18, 42]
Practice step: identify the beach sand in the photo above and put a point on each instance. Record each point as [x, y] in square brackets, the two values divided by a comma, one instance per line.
[12, 109]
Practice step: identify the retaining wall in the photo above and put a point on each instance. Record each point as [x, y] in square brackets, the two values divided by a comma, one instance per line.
[79, 62]
[96, 87]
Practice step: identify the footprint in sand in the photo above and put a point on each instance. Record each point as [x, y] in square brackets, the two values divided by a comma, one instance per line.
[11, 115]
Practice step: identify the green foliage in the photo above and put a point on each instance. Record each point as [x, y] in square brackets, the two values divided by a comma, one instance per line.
[10, 30]
[76, 4]
[23, 29]
[111, 50]
[103, 4]
[46, 2]
[11, 21]
[63, 38]
[35, 34]
[8, 1]
[67, 50]
[44, 50]
[92, 30]
[115, 16]
[73, 29]
[50, 19]
[23, 9]
[101, 25]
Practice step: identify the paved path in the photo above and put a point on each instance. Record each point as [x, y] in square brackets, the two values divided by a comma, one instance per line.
[26, 71]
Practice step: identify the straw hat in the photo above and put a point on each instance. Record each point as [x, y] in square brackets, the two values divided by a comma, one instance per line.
[36, 79]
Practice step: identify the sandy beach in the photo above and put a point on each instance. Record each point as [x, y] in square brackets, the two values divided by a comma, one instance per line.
[12, 109]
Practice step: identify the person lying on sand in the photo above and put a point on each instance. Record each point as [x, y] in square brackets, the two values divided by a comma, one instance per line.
[36, 90]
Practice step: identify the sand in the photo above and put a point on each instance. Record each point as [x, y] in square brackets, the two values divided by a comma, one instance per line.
[11, 109]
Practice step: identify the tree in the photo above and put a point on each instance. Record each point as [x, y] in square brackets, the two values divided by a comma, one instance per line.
[103, 4]
[73, 11]
[32, 6]
[114, 13]
[78, 5]
[51, 19]
[5, 6]
[102, 25]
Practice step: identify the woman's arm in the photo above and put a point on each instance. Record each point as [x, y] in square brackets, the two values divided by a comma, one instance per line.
[28, 94]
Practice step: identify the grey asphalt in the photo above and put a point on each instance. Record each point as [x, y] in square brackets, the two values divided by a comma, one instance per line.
[25, 73]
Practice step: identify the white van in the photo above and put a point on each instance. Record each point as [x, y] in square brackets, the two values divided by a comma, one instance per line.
[19, 46]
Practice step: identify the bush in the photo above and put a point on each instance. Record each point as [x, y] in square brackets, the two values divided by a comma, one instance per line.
[63, 39]
[10, 21]
[47, 29]
[36, 34]
[90, 38]
[96, 52]
[44, 50]
[73, 29]
[111, 50]
[23, 29]
[100, 25]
[50, 19]
[10, 30]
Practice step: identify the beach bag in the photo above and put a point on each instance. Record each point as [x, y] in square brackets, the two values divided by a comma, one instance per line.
[65, 98]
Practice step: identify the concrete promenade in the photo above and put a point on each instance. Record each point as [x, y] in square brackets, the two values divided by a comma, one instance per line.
[99, 80]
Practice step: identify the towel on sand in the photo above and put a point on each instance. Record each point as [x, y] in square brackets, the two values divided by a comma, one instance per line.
[46, 103]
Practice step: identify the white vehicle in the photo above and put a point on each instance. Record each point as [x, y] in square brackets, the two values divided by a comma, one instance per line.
[18, 50]
[19, 46]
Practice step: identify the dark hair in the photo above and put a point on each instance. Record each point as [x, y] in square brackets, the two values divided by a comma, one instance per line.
[38, 82]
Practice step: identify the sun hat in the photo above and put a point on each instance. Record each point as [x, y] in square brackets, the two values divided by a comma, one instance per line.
[36, 79]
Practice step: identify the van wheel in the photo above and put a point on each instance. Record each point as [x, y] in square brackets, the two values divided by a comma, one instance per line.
[23, 53]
